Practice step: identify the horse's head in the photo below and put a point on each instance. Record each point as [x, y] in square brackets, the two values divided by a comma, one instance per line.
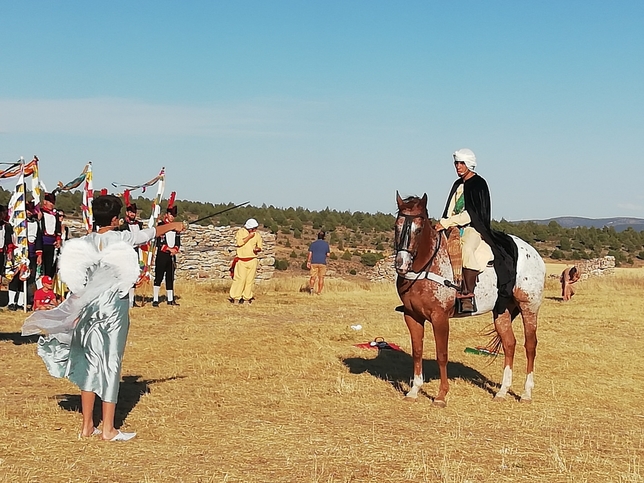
[412, 218]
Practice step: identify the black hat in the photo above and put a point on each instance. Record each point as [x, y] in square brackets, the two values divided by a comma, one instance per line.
[51, 197]
[131, 207]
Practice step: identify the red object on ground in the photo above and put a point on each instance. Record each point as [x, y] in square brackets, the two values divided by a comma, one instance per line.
[380, 344]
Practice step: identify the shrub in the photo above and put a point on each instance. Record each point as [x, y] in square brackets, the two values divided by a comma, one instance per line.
[353, 272]
[557, 254]
[370, 259]
[297, 234]
[303, 266]
[293, 254]
[281, 264]
[333, 256]
[640, 255]
[346, 255]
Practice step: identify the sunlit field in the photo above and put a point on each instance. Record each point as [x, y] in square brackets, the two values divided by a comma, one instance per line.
[276, 391]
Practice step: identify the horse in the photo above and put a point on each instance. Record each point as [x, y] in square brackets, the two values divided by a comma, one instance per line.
[427, 290]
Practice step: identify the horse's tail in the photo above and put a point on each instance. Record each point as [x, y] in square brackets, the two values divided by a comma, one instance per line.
[494, 345]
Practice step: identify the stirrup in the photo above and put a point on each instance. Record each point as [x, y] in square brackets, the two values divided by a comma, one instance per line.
[466, 305]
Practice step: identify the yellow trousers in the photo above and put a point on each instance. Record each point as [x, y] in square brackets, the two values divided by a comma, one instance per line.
[244, 280]
[476, 253]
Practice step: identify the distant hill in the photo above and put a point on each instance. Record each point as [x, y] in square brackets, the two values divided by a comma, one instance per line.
[618, 223]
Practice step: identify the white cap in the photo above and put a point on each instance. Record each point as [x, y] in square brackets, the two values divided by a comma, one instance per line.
[466, 156]
[251, 223]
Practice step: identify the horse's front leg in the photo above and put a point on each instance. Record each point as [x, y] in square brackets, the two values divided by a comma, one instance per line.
[417, 333]
[503, 326]
[440, 325]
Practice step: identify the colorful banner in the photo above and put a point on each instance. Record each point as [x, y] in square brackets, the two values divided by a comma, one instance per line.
[75, 183]
[143, 186]
[88, 197]
[148, 254]
[18, 220]
[85, 179]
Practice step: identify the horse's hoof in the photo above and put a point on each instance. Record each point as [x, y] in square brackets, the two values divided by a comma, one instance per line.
[410, 399]
[525, 400]
[498, 399]
[439, 403]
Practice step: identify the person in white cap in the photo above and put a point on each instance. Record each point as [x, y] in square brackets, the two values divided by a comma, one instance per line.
[244, 266]
[469, 208]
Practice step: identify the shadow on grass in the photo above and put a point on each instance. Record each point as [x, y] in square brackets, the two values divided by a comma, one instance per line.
[396, 368]
[130, 393]
[556, 299]
[17, 338]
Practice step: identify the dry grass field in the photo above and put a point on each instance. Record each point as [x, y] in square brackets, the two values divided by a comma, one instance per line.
[277, 392]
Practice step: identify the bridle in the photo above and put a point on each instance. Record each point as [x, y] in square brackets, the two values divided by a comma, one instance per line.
[402, 245]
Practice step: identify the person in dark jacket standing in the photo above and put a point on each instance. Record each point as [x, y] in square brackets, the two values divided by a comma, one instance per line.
[168, 246]
[6, 242]
[51, 234]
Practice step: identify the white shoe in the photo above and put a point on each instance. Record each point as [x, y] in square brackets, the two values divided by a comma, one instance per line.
[123, 436]
[96, 432]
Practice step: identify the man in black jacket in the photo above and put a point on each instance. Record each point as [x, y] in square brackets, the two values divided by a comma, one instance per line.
[6, 241]
[469, 208]
[168, 245]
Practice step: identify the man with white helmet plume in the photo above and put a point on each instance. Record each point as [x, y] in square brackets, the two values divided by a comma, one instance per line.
[244, 266]
[469, 208]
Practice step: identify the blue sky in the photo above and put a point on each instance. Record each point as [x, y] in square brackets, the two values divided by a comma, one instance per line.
[334, 104]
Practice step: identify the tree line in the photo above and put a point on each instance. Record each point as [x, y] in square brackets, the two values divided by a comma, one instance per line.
[374, 231]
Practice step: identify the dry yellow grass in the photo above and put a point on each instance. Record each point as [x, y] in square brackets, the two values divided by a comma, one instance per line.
[277, 392]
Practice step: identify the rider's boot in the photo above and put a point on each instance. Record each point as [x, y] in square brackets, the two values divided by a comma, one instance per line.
[466, 303]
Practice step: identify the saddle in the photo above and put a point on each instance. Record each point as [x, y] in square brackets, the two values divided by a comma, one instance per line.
[463, 305]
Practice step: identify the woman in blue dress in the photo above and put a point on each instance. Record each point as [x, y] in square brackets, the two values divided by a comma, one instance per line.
[84, 337]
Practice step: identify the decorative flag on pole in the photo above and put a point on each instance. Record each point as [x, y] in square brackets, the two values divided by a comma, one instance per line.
[36, 185]
[85, 179]
[18, 220]
[88, 197]
[155, 210]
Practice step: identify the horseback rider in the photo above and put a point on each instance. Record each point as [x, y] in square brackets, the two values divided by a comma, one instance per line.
[469, 208]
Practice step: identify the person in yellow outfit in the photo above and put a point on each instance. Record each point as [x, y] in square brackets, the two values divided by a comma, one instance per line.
[249, 244]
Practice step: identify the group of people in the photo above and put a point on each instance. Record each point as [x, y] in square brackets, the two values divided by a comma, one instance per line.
[244, 266]
[84, 337]
[167, 245]
[46, 235]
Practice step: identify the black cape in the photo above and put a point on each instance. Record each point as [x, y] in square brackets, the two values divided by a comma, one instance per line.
[477, 204]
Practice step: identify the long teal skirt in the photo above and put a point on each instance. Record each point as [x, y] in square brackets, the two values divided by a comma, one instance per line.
[92, 360]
